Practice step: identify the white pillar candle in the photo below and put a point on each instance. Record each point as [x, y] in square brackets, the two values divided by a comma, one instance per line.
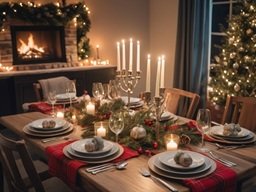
[101, 131]
[60, 114]
[162, 71]
[158, 76]
[73, 118]
[148, 74]
[171, 145]
[90, 108]
[138, 56]
[118, 57]
[131, 55]
[123, 55]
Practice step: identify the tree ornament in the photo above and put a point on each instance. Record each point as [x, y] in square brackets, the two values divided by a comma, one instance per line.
[155, 145]
[232, 55]
[138, 132]
[235, 65]
[253, 38]
[237, 87]
[249, 31]
[225, 63]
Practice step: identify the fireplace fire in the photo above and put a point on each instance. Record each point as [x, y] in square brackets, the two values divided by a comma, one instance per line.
[38, 44]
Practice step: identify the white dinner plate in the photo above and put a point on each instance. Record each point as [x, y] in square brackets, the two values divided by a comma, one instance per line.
[48, 131]
[167, 159]
[65, 96]
[218, 131]
[41, 135]
[119, 152]
[154, 169]
[168, 116]
[203, 168]
[38, 124]
[246, 138]
[79, 147]
[133, 100]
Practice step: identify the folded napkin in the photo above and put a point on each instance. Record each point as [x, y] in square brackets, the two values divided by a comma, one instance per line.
[222, 179]
[66, 169]
[43, 107]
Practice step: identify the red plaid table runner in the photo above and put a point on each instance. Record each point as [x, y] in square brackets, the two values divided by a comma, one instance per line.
[222, 179]
[43, 107]
[66, 169]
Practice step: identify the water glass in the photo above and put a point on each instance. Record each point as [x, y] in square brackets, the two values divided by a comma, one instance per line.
[97, 90]
[116, 123]
[52, 100]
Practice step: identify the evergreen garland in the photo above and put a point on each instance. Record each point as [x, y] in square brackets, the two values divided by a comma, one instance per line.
[51, 14]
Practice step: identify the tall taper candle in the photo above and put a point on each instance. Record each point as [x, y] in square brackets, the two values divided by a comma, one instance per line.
[148, 74]
[123, 55]
[158, 76]
[131, 55]
[162, 71]
[138, 55]
[118, 57]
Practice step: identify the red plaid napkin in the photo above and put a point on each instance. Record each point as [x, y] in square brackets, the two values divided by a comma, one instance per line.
[66, 169]
[222, 179]
[43, 107]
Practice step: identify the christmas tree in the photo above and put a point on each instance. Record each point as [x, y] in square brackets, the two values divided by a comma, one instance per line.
[234, 73]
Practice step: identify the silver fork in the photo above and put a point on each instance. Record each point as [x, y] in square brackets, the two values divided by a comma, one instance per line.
[146, 173]
[223, 161]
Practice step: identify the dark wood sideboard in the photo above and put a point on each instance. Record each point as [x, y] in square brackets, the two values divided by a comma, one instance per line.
[18, 89]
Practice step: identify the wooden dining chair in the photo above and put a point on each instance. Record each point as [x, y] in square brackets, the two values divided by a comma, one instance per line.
[240, 110]
[181, 102]
[21, 174]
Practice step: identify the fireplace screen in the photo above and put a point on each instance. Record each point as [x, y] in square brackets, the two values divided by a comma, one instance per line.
[38, 44]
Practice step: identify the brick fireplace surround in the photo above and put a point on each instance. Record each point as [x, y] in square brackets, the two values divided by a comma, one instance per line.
[6, 48]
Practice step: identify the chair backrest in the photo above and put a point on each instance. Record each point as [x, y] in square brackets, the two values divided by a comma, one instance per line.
[240, 110]
[43, 86]
[181, 102]
[11, 170]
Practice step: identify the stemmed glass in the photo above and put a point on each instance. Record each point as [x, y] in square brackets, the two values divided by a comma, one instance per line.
[116, 123]
[113, 90]
[97, 91]
[71, 91]
[203, 120]
[52, 100]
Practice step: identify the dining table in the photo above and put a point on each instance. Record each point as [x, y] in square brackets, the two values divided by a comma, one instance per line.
[129, 179]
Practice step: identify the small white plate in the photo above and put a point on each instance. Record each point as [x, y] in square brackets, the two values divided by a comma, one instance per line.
[218, 131]
[65, 96]
[48, 131]
[168, 160]
[133, 100]
[38, 124]
[167, 116]
[78, 147]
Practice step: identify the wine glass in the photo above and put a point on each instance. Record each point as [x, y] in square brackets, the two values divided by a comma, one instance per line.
[113, 90]
[52, 100]
[116, 123]
[97, 90]
[71, 91]
[203, 120]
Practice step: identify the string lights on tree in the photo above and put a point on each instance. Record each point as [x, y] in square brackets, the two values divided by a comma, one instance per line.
[234, 73]
[51, 14]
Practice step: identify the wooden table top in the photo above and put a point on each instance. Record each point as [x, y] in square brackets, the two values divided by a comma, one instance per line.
[128, 180]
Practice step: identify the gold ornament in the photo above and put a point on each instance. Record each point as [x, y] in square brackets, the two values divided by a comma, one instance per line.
[249, 31]
[235, 65]
[237, 87]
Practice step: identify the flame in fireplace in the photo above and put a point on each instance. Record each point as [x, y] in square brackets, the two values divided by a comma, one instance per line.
[30, 50]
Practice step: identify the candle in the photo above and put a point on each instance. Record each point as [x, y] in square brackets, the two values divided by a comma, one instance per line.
[138, 56]
[123, 55]
[158, 76]
[148, 74]
[97, 52]
[60, 114]
[118, 57]
[162, 71]
[101, 131]
[90, 108]
[171, 145]
[73, 118]
[131, 55]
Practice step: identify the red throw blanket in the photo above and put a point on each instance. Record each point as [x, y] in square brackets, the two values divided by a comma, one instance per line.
[43, 107]
[66, 169]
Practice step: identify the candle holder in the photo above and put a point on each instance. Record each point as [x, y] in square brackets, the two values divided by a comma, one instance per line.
[147, 97]
[101, 128]
[171, 141]
[158, 104]
[127, 81]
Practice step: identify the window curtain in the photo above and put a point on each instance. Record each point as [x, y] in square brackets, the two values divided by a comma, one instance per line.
[192, 49]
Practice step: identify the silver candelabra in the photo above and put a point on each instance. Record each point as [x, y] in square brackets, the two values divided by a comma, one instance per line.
[127, 81]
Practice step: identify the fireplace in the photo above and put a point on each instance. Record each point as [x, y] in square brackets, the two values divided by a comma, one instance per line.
[38, 44]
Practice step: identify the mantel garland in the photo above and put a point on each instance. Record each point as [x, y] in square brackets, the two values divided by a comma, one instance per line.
[51, 14]
[188, 132]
